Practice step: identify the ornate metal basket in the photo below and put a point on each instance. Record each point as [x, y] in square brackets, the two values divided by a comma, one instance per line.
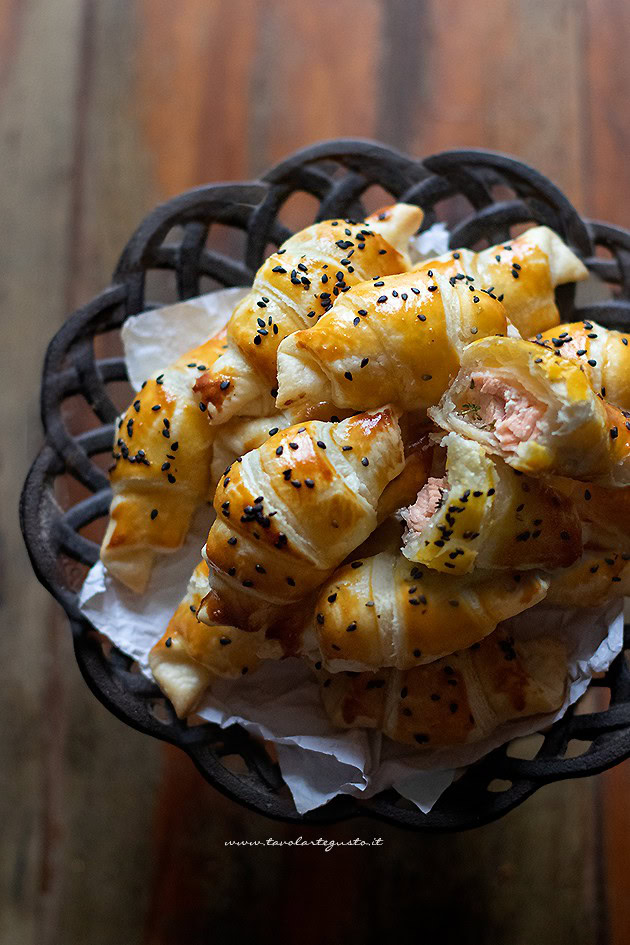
[482, 196]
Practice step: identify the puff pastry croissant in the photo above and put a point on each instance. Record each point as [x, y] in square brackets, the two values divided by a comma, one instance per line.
[162, 451]
[385, 611]
[482, 513]
[456, 700]
[523, 273]
[190, 654]
[292, 288]
[603, 354]
[537, 411]
[290, 511]
[397, 339]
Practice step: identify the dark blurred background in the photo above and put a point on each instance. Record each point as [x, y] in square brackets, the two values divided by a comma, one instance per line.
[105, 109]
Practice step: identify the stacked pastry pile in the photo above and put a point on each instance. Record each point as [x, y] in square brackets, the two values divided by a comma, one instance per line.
[400, 458]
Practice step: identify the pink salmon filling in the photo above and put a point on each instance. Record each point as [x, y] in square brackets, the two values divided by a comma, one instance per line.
[511, 410]
[428, 501]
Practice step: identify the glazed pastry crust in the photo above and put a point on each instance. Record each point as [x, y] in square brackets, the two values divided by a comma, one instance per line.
[190, 654]
[603, 354]
[161, 474]
[291, 511]
[523, 274]
[385, 611]
[580, 435]
[397, 339]
[291, 290]
[460, 699]
[490, 516]
[597, 578]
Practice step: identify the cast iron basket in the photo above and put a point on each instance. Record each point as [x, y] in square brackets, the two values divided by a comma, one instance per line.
[482, 196]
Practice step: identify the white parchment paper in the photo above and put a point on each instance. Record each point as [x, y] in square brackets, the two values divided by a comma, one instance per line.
[280, 702]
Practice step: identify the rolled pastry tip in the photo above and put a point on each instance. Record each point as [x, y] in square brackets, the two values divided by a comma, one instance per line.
[522, 273]
[460, 699]
[482, 513]
[603, 355]
[385, 611]
[537, 411]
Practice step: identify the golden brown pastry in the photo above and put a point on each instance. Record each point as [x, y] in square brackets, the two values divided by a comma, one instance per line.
[291, 290]
[397, 339]
[482, 513]
[597, 578]
[605, 513]
[190, 654]
[522, 273]
[460, 699]
[387, 611]
[289, 512]
[537, 411]
[162, 451]
[603, 354]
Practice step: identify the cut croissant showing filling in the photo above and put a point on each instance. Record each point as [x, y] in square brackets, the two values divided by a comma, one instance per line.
[482, 513]
[536, 410]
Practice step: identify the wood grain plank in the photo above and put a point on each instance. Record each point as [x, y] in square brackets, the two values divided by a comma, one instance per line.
[36, 128]
[128, 840]
[607, 197]
[606, 132]
[496, 76]
[105, 772]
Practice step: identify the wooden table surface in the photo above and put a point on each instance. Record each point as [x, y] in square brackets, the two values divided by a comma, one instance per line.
[106, 108]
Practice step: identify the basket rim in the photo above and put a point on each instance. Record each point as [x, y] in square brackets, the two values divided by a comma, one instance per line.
[243, 198]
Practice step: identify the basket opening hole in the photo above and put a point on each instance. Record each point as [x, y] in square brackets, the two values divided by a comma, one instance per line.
[452, 210]
[517, 229]
[375, 198]
[209, 284]
[161, 711]
[298, 210]
[228, 240]
[235, 764]
[595, 699]
[499, 785]
[160, 287]
[526, 747]
[77, 415]
[121, 394]
[174, 235]
[502, 192]
[576, 747]
[603, 252]
[591, 291]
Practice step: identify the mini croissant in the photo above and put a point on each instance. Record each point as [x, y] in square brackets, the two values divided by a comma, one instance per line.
[603, 354]
[482, 513]
[537, 411]
[395, 340]
[385, 611]
[523, 273]
[190, 654]
[291, 290]
[162, 451]
[460, 699]
[290, 511]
